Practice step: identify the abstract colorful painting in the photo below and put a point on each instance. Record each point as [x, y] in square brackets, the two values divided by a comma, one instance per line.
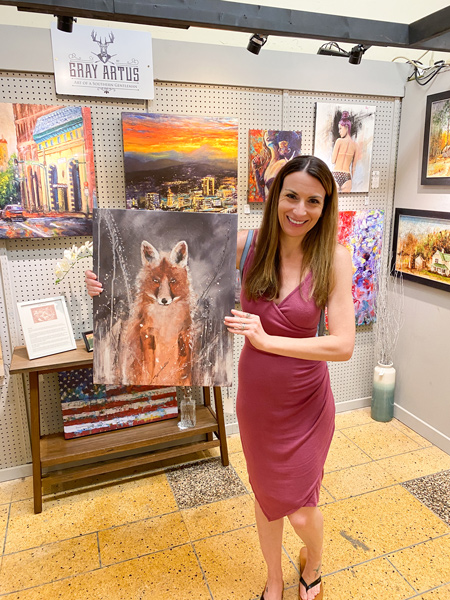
[47, 178]
[180, 162]
[269, 150]
[362, 233]
[421, 247]
[168, 281]
[344, 140]
[436, 142]
[89, 408]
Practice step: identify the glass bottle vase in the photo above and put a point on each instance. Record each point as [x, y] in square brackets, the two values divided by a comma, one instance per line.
[383, 392]
[187, 409]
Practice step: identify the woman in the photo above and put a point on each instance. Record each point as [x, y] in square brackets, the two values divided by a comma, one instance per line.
[344, 155]
[285, 405]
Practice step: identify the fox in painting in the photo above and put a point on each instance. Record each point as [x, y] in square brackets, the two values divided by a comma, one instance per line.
[158, 336]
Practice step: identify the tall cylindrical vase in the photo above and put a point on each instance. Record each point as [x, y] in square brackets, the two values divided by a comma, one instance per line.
[383, 392]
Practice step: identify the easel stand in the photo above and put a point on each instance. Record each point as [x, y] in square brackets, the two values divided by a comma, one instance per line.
[52, 450]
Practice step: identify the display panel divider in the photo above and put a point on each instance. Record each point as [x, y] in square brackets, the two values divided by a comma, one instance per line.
[53, 450]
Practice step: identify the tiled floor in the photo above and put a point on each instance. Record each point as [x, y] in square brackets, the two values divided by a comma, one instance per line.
[166, 536]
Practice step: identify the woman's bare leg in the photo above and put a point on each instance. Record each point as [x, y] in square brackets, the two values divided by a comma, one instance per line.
[308, 524]
[270, 539]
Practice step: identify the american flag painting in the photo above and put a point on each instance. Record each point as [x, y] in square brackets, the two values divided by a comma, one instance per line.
[88, 408]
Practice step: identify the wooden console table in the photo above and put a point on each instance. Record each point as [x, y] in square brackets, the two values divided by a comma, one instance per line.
[51, 450]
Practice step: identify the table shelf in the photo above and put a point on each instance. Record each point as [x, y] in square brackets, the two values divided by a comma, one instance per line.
[53, 450]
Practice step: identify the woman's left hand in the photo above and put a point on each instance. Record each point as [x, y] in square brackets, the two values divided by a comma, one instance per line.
[249, 326]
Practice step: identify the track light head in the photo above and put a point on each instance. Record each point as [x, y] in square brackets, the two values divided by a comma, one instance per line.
[256, 43]
[356, 54]
[64, 23]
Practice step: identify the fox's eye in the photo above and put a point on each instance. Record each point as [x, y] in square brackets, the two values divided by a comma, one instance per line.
[155, 280]
[173, 280]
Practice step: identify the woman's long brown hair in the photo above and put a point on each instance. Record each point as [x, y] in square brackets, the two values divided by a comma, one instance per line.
[319, 244]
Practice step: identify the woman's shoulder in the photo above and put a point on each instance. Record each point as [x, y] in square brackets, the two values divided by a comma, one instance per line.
[342, 256]
[241, 241]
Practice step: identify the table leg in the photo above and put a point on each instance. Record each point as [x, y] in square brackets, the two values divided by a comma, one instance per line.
[207, 402]
[36, 441]
[221, 425]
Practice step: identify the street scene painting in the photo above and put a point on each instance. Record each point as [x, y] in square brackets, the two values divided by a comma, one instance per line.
[269, 150]
[180, 162]
[421, 247]
[47, 178]
[361, 232]
[168, 282]
[344, 140]
[436, 143]
[88, 408]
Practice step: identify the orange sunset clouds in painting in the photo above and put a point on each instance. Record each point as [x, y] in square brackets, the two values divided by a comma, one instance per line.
[180, 137]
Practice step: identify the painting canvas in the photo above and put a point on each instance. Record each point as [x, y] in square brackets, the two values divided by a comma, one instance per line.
[269, 150]
[421, 247]
[436, 143]
[180, 162]
[168, 280]
[344, 140]
[47, 178]
[88, 408]
[362, 233]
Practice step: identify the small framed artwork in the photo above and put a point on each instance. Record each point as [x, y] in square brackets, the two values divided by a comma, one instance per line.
[421, 247]
[88, 337]
[46, 327]
[436, 141]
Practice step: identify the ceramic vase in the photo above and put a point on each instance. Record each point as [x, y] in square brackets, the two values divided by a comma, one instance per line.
[187, 410]
[383, 392]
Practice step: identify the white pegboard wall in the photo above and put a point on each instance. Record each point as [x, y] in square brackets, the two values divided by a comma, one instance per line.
[29, 264]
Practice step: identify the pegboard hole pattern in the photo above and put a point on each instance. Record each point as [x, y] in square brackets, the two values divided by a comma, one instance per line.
[27, 266]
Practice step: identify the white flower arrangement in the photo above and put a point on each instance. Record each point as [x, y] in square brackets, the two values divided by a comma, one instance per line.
[71, 257]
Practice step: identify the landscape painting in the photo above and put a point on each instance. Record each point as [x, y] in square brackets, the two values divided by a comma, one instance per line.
[168, 282]
[344, 140]
[269, 150]
[88, 408]
[180, 162]
[421, 247]
[362, 233]
[47, 178]
[436, 143]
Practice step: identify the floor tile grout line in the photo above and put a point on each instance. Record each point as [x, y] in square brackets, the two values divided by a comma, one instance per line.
[205, 579]
[99, 551]
[401, 574]
[6, 530]
[421, 594]
[95, 531]
[386, 554]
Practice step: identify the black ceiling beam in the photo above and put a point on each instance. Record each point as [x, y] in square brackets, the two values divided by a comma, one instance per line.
[430, 28]
[249, 18]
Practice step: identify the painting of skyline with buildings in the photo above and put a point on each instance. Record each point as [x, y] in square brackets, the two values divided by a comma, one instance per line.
[180, 162]
[47, 177]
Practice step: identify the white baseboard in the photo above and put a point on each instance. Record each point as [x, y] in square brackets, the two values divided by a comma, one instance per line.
[16, 472]
[427, 431]
[353, 404]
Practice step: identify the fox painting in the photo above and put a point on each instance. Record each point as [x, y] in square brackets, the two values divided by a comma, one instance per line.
[158, 337]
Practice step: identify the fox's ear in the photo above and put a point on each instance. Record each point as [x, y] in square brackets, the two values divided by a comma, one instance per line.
[179, 254]
[149, 253]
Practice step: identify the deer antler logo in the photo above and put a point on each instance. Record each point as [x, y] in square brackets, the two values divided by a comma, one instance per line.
[103, 55]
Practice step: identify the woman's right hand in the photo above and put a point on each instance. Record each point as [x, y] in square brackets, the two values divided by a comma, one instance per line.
[94, 287]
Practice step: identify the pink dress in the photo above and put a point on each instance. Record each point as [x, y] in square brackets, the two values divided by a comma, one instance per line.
[285, 408]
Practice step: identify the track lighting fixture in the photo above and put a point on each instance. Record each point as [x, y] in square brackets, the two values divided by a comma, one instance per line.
[354, 56]
[256, 43]
[65, 24]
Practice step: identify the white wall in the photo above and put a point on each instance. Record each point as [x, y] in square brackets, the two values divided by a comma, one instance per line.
[422, 356]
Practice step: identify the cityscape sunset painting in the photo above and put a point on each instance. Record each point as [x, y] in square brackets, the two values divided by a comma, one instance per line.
[180, 162]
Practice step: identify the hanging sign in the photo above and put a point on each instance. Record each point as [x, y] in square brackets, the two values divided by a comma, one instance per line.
[100, 61]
